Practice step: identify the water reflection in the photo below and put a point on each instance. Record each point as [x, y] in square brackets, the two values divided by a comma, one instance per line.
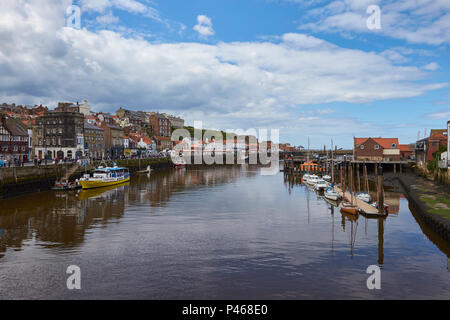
[60, 219]
[224, 232]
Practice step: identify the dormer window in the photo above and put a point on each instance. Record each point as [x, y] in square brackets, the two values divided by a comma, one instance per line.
[393, 146]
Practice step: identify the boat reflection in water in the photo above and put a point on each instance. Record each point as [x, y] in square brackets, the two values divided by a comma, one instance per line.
[224, 232]
[102, 192]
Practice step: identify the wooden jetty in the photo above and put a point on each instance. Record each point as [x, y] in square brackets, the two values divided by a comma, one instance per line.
[364, 207]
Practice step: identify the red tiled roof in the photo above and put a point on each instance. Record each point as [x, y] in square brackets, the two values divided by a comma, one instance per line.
[386, 143]
[403, 147]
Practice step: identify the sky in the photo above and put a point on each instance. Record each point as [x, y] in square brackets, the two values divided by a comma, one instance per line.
[308, 68]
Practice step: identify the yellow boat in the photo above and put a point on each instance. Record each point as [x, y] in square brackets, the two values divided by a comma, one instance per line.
[105, 177]
[99, 192]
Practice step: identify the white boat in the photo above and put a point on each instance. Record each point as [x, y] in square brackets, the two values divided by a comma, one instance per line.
[364, 196]
[326, 178]
[180, 164]
[321, 184]
[312, 179]
[331, 194]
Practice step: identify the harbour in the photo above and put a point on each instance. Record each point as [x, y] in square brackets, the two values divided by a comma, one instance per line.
[209, 233]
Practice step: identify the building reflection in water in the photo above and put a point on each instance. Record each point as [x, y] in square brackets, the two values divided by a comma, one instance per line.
[61, 219]
[58, 219]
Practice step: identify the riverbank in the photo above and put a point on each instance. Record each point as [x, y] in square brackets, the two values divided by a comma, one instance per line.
[21, 180]
[430, 200]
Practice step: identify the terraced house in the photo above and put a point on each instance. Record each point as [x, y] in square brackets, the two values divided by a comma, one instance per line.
[13, 140]
[94, 141]
[59, 135]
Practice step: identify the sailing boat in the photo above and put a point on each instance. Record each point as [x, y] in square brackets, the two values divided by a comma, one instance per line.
[365, 196]
[346, 206]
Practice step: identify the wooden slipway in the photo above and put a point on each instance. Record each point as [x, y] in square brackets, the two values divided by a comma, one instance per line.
[363, 206]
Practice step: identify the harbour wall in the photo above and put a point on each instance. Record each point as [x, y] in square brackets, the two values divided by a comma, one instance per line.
[16, 181]
[414, 187]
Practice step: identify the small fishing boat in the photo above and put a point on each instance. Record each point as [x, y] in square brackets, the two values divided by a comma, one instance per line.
[320, 185]
[326, 178]
[180, 164]
[375, 205]
[331, 194]
[348, 207]
[65, 186]
[312, 180]
[105, 177]
[364, 196]
[147, 170]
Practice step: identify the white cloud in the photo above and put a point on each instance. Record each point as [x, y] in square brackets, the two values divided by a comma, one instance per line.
[425, 21]
[108, 18]
[131, 6]
[431, 66]
[238, 84]
[440, 115]
[204, 26]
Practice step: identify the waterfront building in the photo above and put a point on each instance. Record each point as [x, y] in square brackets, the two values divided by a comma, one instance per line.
[59, 135]
[160, 125]
[13, 140]
[114, 140]
[162, 143]
[425, 148]
[94, 141]
[379, 149]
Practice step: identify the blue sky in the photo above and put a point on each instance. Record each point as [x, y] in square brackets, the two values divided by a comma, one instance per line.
[309, 68]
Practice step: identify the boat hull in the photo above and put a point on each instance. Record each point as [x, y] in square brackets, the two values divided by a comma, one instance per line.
[349, 208]
[332, 197]
[93, 184]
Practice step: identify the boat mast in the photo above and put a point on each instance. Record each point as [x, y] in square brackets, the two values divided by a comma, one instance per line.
[332, 162]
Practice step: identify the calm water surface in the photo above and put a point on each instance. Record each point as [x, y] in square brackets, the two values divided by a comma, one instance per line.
[215, 233]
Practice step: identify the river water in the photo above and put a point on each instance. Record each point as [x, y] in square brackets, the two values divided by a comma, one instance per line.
[215, 233]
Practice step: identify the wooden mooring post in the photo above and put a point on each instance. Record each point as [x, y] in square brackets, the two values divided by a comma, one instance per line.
[380, 193]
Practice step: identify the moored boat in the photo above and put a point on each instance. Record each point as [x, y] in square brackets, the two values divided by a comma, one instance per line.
[364, 196]
[348, 207]
[312, 180]
[105, 177]
[326, 178]
[320, 185]
[331, 194]
[65, 186]
[180, 164]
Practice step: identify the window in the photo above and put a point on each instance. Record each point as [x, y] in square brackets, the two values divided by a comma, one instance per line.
[15, 148]
[377, 147]
[393, 146]
[362, 147]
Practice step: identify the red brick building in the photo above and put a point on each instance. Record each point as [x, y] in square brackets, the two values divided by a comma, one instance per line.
[376, 149]
[13, 140]
[160, 124]
[425, 148]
